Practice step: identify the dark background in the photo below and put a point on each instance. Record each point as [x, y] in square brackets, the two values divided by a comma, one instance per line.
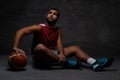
[91, 24]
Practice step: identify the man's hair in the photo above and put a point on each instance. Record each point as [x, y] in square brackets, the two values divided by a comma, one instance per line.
[56, 10]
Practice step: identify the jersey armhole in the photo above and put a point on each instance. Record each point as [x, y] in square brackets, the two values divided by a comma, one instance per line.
[42, 24]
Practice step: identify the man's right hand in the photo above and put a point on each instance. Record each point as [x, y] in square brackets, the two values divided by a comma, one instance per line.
[62, 58]
[19, 51]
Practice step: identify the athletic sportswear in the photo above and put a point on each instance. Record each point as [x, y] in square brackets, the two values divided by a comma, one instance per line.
[102, 63]
[46, 36]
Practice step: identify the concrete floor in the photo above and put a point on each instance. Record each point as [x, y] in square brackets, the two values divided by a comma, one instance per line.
[30, 73]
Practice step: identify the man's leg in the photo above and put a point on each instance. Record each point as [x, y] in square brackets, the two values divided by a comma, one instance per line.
[75, 50]
[43, 56]
[96, 65]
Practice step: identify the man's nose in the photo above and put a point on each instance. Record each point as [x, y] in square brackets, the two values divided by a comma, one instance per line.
[51, 15]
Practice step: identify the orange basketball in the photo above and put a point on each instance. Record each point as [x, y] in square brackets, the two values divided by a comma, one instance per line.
[17, 61]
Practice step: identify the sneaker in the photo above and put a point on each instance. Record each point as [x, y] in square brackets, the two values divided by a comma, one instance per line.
[70, 63]
[102, 63]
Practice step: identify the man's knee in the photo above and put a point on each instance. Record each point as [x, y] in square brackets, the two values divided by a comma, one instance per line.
[39, 51]
[40, 47]
[75, 47]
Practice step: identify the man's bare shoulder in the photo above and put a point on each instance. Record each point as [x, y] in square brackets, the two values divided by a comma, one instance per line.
[35, 27]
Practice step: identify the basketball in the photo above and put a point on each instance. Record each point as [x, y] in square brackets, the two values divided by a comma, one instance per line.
[17, 61]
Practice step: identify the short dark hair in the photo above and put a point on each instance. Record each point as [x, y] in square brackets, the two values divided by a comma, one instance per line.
[56, 10]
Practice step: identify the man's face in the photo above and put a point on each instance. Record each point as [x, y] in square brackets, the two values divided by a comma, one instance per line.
[52, 16]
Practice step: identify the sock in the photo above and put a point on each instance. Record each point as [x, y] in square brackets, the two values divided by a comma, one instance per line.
[91, 60]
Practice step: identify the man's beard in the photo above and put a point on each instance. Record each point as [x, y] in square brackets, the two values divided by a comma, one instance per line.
[51, 22]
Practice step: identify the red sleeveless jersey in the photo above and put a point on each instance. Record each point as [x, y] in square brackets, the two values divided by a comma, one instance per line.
[48, 37]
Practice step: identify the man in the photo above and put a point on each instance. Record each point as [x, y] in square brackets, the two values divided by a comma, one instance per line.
[47, 47]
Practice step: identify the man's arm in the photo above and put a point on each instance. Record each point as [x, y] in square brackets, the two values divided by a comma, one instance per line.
[60, 47]
[24, 31]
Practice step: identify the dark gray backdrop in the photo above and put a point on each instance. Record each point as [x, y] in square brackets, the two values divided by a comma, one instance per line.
[91, 24]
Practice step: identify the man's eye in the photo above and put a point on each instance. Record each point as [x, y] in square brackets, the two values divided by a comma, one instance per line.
[55, 14]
